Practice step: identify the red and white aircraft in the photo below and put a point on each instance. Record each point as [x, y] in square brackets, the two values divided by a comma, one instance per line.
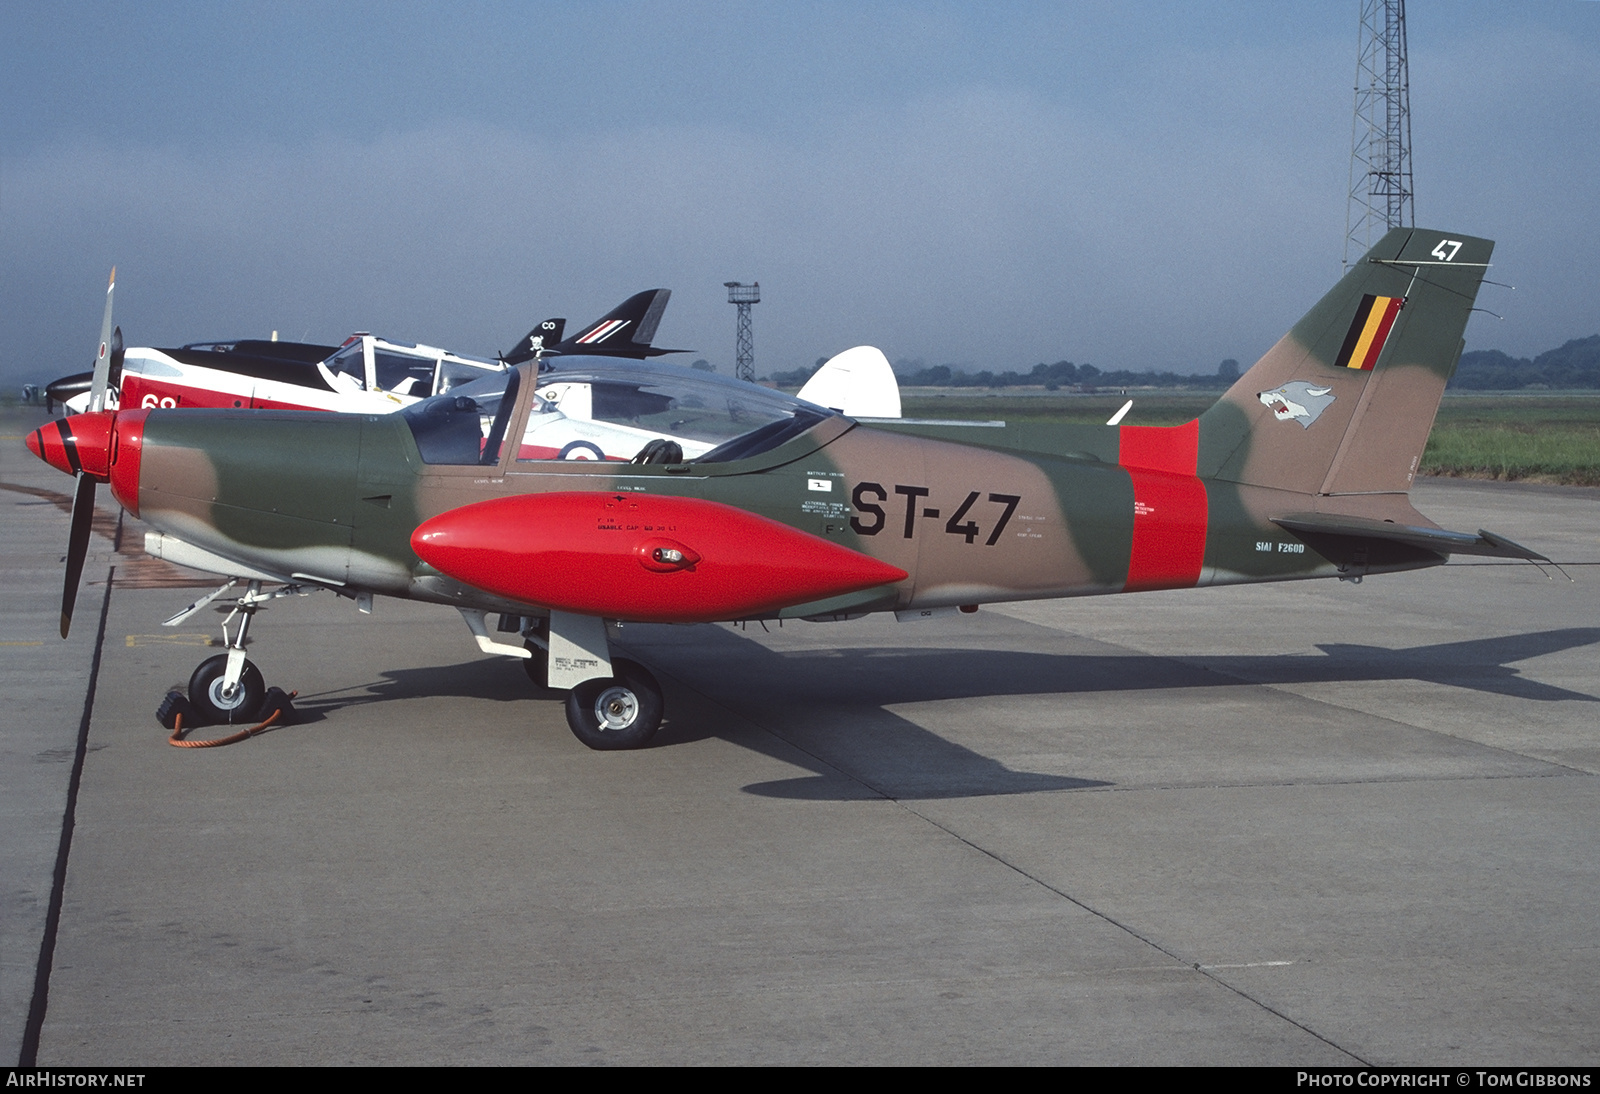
[365, 375]
[578, 420]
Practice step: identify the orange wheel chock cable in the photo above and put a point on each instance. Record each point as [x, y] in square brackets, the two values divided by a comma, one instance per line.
[177, 741]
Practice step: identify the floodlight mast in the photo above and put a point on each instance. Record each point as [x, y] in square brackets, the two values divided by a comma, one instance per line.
[744, 343]
[1380, 145]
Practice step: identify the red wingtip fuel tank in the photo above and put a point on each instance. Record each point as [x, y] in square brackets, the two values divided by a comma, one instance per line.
[641, 557]
[106, 445]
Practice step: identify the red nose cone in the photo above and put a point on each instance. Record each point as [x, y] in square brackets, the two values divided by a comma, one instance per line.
[641, 557]
[80, 442]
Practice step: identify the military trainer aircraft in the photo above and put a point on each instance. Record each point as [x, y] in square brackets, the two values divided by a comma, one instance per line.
[791, 510]
[364, 375]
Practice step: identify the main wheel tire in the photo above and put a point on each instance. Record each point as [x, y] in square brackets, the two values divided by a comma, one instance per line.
[616, 712]
[206, 694]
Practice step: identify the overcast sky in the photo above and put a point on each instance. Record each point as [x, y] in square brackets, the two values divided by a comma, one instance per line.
[1133, 185]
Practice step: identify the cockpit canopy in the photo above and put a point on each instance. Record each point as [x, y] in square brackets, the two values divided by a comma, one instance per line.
[368, 363]
[590, 408]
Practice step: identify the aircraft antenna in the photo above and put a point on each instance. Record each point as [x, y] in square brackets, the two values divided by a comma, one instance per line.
[744, 342]
[1380, 143]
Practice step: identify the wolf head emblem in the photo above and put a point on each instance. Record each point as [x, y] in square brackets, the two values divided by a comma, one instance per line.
[1297, 401]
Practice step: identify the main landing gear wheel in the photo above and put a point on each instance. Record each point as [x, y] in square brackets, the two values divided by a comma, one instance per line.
[617, 712]
[212, 700]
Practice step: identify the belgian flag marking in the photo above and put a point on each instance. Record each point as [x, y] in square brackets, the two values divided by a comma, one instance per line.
[1368, 331]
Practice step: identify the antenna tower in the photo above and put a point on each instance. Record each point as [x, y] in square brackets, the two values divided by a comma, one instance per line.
[1380, 143]
[745, 346]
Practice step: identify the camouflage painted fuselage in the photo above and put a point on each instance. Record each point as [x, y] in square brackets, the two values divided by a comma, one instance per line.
[335, 499]
[1324, 433]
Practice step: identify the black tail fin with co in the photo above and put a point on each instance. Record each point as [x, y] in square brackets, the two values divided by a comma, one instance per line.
[537, 342]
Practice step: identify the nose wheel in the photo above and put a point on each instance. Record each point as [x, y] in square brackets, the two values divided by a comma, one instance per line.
[221, 703]
[616, 712]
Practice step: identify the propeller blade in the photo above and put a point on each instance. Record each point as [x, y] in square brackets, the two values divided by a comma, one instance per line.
[102, 359]
[114, 376]
[77, 546]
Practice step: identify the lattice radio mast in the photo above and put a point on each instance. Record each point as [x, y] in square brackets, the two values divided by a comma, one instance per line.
[1380, 144]
[745, 347]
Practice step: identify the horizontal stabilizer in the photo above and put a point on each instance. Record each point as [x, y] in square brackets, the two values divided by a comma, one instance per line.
[1437, 540]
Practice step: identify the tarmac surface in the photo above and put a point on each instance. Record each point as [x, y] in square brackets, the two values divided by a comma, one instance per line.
[1303, 824]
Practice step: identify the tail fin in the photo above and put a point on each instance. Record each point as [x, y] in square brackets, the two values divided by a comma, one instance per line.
[858, 382]
[538, 340]
[1343, 404]
[624, 331]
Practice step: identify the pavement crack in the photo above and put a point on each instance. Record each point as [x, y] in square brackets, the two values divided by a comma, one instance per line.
[40, 1002]
[1565, 772]
[1209, 972]
[1204, 970]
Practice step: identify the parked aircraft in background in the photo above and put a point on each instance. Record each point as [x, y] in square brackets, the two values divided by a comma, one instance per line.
[373, 375]
[786, 509]
[367, 374]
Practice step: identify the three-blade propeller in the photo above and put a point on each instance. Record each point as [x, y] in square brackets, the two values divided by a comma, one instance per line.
[83, 493]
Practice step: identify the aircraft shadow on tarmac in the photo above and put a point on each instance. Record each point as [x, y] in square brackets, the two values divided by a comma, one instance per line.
[827, 710]
[480, 678]
[883, 676]
[840, 698]
[896, 758]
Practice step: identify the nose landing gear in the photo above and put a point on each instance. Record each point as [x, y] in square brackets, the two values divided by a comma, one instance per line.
[227, 688]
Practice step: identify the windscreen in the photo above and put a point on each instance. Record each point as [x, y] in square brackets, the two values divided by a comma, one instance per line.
[650, 412]
[350, 364]
[402, 373]
[599, 409]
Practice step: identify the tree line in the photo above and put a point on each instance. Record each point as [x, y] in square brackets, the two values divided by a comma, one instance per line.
[1574, 365]
[1061, 376]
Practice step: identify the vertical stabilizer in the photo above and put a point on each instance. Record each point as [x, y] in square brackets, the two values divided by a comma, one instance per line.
[625, 331]
[1343, 404]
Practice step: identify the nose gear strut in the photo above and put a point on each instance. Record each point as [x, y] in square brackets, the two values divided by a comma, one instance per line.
[227, 688]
